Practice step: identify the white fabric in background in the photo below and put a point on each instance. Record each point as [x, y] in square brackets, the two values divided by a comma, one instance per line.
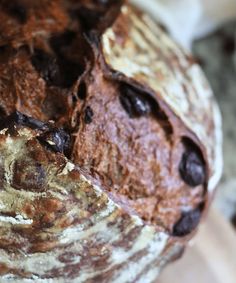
[187, 20]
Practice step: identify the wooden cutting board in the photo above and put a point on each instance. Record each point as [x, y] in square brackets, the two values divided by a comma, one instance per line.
[210, 259]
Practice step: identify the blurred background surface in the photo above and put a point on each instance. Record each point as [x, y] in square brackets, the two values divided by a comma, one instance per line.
[217, 55]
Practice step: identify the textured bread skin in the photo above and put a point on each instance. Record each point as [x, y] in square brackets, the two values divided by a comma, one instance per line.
[103, 122]
[66, 228]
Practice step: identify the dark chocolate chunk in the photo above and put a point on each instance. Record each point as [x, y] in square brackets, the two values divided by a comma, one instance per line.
[82, 91]
[18, 118]
[134, 102]
[16, 10]
[88, 115]
[192, 168]
[138, 103]
[187, 223]
[56, 140]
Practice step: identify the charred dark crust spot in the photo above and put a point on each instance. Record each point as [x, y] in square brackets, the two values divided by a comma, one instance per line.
[192, 167]
[15, 9]
[187, 223]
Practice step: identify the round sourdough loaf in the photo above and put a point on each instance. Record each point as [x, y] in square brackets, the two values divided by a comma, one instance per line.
[110, 143]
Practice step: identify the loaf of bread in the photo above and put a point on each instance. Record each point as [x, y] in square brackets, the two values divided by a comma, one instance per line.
[110, 143]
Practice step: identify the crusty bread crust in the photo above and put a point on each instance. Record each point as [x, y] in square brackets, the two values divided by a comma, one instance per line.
[110, 143]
